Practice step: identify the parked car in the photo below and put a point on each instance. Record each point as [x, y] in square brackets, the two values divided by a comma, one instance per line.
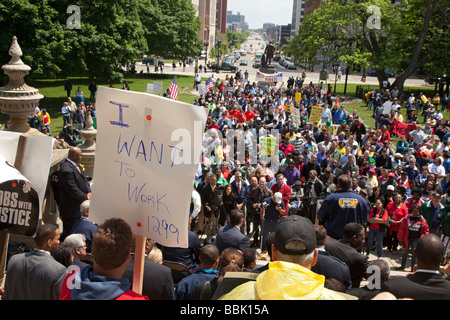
[432, 79]
[228, 64]
[372, 73]
[257, 63]
[243, 62]
[290, 66]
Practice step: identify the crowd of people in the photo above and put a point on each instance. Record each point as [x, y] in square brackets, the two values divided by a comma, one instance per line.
[335, 192]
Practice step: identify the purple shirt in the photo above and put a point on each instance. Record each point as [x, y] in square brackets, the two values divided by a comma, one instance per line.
[291, 176]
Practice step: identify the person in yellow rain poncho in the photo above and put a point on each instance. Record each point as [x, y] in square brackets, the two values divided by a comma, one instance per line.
[289, 276]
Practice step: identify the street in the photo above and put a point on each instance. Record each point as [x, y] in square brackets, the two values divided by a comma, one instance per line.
[256, 43]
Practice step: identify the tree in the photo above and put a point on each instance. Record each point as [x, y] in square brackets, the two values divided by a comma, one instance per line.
[376, 33]
[110, 36]
[171, 28]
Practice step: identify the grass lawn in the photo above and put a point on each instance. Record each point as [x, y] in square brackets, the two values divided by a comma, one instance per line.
[54, 94]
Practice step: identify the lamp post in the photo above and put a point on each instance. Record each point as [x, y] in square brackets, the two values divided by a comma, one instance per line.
[219, 41]
[335, 79]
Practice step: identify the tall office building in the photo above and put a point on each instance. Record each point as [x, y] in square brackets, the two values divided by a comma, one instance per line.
[206, 11]
[298, 13]
[221, 16]
[311, 5]
[236, 21]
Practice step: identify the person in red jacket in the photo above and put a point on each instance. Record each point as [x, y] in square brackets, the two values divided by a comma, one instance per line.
[284, 189]
[286, 146]
[377, 219]
[411, 229]
[249, 114]
[397, 211]
[111, 252]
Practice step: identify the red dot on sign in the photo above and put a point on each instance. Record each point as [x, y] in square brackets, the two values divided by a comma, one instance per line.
[14, 185]
[139, 224]
[149, 118]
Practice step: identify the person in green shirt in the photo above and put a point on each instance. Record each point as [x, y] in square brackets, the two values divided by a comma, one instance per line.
[402, 145]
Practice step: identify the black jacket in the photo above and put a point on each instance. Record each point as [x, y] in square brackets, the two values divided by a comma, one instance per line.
[74, 188]
[419, 286]
[356, 262]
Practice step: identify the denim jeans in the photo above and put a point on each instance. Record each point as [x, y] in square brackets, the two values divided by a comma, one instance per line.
[412, 244]
[378, 235]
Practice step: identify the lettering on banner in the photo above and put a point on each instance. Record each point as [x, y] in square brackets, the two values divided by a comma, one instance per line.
[143, 151]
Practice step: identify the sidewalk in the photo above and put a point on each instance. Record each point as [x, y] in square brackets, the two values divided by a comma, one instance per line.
[310, 76]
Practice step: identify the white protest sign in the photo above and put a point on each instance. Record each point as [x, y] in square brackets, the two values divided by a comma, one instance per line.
[157, 87]
[148, 150]
[36, 161]
[296, 116]
[201, 89]
[387, 107]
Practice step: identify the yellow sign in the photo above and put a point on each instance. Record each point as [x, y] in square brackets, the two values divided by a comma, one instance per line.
[316, 114]
[298, 96]
[268, 146]
[424, 99]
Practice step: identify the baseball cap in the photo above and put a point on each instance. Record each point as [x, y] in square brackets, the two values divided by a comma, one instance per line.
[391, 174]
[390, 187]
[298, 228]
[278, 196]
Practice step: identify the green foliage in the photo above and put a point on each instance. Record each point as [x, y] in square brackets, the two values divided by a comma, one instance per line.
[229, 41]
[409, 35]
[113, 34]
[171, 28]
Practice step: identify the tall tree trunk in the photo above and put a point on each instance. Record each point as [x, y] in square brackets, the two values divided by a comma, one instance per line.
[415, 62]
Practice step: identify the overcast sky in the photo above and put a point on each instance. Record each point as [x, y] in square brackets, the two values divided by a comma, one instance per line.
[257, 12]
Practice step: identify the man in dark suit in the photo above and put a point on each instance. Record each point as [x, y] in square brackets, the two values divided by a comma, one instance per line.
[241, 192]
[36, 275]
[335, 170]
[231, 236]
[84, 226]
[427, 283]
[348, 250]
[157, 283]
[74, 189]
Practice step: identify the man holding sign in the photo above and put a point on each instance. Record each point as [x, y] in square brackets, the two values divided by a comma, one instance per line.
[111, 253]
[142, 149]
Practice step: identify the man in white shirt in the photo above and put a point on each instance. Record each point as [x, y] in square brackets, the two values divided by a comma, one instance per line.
[418, 135]
[326, 114]
[437, 168]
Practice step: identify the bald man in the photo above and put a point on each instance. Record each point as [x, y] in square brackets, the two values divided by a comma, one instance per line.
[427, 282]
[74, 189]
